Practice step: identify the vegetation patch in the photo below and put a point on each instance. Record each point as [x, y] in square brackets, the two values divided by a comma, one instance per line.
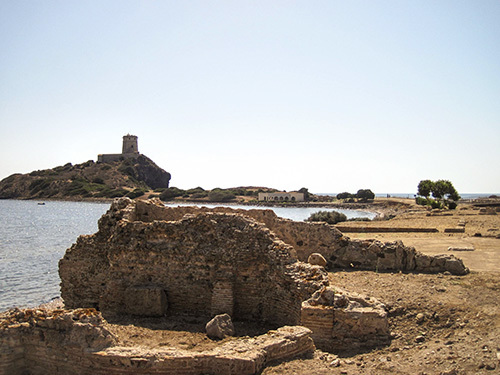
[330, 217]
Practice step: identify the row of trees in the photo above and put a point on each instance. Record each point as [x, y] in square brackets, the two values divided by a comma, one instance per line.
[443, 194]
[363, 195]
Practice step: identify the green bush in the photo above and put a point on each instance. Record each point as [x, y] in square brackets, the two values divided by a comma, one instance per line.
[39, 185]
[330, 217]
[421, 201]
[127, 169]
[199, 195]
[116, 193]
[195, 190]
[359, 219]
[435, 203]
[220, 195]
[170, 193]
[365, 194]
[135, 193]
[98, 180]
[344, 195]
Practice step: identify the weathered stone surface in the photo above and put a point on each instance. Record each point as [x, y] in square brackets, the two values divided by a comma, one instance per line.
[220, 326]
[324, 296]
[317, 259]
[206, 263]
[307, 238]
[349, 320]
[145, 301]
[65, 342]
[459, 229]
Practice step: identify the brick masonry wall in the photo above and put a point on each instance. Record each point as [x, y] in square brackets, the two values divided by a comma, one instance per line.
[340, 251]
[200, 262]
[76, 342]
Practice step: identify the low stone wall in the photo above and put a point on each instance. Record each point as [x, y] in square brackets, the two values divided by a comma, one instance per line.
[356, 229]
[460, 229]
[345, 320]
[388, 256]
[76, 342]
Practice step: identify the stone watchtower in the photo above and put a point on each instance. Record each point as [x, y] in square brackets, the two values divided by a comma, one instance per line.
[129, 150]
[130, 144]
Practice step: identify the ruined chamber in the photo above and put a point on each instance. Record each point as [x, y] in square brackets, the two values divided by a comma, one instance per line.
[144, 261]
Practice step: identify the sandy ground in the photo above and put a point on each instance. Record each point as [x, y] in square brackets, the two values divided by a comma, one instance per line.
[440, 325]
[481, 232]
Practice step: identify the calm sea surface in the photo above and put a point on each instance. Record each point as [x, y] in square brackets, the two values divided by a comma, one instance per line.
[34, 237]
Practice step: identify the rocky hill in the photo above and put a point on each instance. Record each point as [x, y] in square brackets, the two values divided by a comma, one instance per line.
[129, 177]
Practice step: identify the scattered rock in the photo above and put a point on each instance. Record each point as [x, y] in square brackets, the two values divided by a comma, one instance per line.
[325, 296]
[220, 327]
[420, 318]
[317, 259]
[335, 363]
[465, 248]
[490, 366]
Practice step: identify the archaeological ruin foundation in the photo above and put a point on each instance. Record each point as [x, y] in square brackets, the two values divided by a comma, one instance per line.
[148, 260]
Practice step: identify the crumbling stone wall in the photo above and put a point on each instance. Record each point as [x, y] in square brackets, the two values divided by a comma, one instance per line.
[339, 320]
[62, 342]
[199, 265]
[41, 342]
[307, 238]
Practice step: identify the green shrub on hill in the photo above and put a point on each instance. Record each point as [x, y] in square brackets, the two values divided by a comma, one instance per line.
[171, 193]
[221, 195]
[135, 193]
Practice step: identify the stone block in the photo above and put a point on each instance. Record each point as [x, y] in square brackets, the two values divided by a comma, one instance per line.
[317, 259]
[220, 326]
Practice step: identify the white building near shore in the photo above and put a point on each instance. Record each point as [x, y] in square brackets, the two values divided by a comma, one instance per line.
[281, 197]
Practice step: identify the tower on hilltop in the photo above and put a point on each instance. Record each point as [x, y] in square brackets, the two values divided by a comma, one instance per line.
[130, 144]
[129, 150]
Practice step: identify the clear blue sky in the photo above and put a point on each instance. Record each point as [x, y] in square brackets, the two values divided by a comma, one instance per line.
[329, 95]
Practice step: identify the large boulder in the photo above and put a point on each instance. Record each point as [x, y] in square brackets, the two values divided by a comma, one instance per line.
[220, 327]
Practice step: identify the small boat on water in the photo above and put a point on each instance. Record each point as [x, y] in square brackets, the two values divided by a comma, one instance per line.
[41, 203]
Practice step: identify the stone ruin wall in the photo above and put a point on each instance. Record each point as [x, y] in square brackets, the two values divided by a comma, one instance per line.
[39, 342]
[307, 238]
[147, 259]
[200, 265]
[345, 320]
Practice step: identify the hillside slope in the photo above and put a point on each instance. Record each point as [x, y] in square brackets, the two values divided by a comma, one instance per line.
[87, 180]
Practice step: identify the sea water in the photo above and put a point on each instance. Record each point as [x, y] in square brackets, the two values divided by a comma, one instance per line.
[34, 236]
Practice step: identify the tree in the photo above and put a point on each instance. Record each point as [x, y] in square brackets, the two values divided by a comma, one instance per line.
[441, 190]
[365, 194]
[425, 188]
[344, 195]
[445, 189]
